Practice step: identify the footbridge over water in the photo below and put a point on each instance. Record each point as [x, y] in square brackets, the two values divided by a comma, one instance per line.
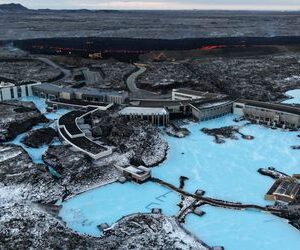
[216, 202]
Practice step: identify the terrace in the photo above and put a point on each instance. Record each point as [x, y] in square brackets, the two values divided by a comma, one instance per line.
[72, 134]
[69, 122]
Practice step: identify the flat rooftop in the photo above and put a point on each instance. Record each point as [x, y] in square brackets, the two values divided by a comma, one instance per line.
[84, 143]
[79, 102]
[159, 103]
[143, 111]
[84, 91]
[210, 104]
[69, 121]
[199, 94]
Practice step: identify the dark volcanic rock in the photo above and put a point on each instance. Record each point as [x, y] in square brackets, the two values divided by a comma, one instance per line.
[228, 132]
[18, 117]
[221, 133]
[39, 137]
[18, 171]
[150, 231]
[136, 136]
[178, 132]
[25, 225]
[78, 171]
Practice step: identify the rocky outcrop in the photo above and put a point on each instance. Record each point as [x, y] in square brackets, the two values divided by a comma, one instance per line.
[18, 171]
[272, 172]
[178, 132]
[26, 225]
[136, 136]
[228, 132]
[78, 171]
[18, 117]
[40, 137]
[150, 231]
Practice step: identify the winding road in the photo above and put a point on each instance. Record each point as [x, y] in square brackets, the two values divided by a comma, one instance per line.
[136, 92]
[67, 73]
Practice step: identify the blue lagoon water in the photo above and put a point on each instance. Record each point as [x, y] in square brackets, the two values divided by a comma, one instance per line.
[295, 94]
[37, 153]
[225, 171]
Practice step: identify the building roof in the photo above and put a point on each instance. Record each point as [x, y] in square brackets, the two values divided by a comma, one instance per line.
[274, 106]
[78, 102]
[143, 111]
[199, 94]
[84, 91]
[159, 103]
[84, 143]
[287, 187]
[69, 121]
[207, 104]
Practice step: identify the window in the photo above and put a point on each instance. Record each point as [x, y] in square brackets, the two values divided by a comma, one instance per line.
[238, 106]
[19, 90]
[12, 93]
[26, 90]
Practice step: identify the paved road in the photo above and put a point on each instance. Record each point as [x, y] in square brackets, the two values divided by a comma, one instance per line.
[67, 73]
[138, 93]
[131, 80]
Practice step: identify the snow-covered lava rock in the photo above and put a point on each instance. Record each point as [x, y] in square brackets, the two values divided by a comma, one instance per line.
[18, 117]
[136, 136]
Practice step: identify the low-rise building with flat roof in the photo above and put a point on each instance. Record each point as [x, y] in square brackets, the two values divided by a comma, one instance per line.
[188, 94]
[138, 174]
[11, 92]
[273, 114]
[206, 110]
[285, 189]
[54, 92]
[157, 116]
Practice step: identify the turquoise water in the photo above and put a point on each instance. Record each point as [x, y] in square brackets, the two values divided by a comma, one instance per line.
[243, 230]
[295, 94]
[42, 106]
[37, 153]
[226, 171]
[108, 204]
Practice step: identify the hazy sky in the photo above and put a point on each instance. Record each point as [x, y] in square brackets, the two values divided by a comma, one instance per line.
[164, 4]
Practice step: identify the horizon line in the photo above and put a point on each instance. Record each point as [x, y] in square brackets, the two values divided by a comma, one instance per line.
[262, 8]
[122, 9]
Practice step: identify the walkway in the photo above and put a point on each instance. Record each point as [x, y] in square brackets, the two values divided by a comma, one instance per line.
[216, 202]
[70, 131]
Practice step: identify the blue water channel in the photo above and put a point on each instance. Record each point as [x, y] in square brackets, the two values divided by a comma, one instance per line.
[225, 171]
[37, 153]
